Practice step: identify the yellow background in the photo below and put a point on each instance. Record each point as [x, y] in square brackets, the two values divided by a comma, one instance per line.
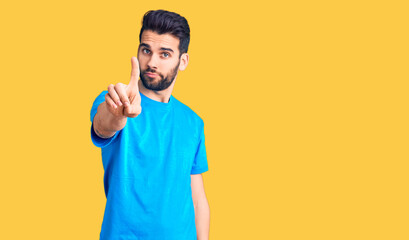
[305, 105]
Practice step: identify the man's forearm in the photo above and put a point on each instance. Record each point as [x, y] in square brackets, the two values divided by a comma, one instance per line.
[105, 123]
[202, 218]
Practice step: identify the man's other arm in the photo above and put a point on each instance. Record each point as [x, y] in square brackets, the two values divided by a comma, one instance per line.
[201, 206]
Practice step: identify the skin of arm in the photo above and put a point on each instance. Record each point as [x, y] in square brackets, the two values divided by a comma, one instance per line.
[105, 123]
[201, 206]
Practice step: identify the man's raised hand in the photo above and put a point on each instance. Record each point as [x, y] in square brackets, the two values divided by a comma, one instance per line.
[124, 100]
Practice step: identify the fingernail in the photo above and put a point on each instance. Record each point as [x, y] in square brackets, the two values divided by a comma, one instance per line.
[119, 103]
[114, 106]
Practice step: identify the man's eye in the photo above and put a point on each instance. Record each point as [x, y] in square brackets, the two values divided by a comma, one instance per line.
[166, 55]
[146, 50]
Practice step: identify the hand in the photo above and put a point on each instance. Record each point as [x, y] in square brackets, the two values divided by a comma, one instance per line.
[125, 100]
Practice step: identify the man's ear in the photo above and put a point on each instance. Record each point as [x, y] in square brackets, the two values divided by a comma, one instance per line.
[184, 60]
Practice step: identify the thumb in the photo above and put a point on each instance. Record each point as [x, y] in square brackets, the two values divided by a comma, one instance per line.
[132, 110]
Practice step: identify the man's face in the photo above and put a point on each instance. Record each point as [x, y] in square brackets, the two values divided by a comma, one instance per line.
[158, 57]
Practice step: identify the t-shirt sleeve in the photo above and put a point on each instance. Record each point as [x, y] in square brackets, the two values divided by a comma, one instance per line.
[200, 161]
[96, 140]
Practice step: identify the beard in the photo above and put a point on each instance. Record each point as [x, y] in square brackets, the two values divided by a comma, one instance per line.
[163, 83]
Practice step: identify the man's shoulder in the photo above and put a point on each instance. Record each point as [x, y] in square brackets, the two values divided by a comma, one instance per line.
[187, 111]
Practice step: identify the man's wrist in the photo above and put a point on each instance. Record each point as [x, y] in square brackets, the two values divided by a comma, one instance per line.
[99, 134]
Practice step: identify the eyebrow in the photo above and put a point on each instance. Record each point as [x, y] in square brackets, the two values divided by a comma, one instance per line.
[147, 46]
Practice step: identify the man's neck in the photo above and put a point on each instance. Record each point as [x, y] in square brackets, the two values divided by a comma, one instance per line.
[160, 96]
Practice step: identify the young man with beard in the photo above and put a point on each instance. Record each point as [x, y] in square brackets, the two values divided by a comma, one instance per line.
[153, 146]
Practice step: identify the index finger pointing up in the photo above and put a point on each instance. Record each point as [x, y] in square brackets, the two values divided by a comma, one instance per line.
[134, 71]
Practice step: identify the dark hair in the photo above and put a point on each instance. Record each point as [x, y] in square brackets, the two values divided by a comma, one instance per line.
[162, 21]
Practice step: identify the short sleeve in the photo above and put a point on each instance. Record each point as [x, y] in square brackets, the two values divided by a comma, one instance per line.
[96, 140]
[200, 161]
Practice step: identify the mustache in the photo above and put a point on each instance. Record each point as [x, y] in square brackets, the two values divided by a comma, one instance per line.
[150, 70]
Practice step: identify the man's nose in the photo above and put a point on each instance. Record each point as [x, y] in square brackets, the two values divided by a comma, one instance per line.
[153, 61]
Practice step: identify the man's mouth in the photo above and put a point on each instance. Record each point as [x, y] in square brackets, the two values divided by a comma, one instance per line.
[149, 74]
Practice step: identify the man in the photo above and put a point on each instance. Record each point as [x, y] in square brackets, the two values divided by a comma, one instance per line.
[152, 145]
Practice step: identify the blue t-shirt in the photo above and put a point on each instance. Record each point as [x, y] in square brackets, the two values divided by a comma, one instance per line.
[147, 172]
